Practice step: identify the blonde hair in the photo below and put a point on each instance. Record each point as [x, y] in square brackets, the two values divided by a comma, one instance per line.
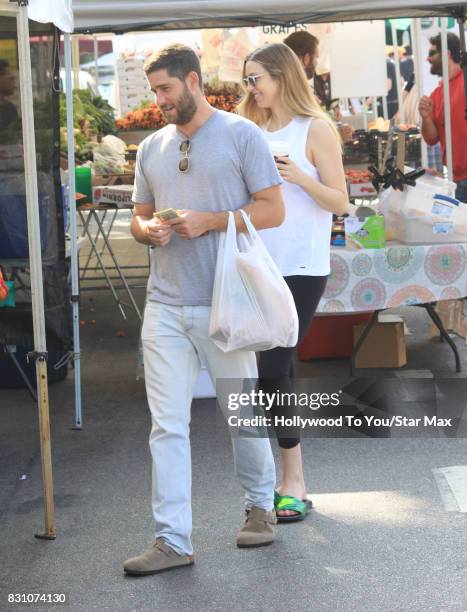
[295, 93]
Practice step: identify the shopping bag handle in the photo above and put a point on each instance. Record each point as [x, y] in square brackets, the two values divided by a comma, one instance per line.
[249, 225]
[231, 234]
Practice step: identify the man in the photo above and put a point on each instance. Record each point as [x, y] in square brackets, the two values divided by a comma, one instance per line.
[306, 48]
[432, 110]
[204, 163]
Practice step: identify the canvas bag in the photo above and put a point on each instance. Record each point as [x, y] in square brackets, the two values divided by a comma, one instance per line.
[252, 306]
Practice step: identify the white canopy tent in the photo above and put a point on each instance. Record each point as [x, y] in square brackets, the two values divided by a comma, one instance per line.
[120, 16]
[123, 16]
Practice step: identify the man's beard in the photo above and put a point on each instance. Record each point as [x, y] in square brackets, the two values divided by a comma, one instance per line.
[185, 109]
[310, 72]
[437, 69]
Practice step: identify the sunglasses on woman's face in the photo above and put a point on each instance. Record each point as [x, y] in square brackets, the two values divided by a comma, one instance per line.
[184, 163]
[433, 52]
[250, 79]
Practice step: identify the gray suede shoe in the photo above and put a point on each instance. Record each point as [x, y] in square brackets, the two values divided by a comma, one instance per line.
[258, 529]
[159, 558]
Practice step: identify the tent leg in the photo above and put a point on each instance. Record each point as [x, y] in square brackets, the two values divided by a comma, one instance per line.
[446, 95]
[73, 233]
[46, 450]
[35, 261]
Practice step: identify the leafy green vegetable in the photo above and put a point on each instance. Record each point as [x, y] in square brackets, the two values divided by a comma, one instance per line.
[93, 116]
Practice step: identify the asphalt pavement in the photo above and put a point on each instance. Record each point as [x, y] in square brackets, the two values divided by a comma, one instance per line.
[382, 535]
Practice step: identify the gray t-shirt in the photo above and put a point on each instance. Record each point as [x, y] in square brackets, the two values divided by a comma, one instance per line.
[229, 160]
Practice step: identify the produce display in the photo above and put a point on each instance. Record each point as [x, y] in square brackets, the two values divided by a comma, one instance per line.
[148, 116]
[93, 118]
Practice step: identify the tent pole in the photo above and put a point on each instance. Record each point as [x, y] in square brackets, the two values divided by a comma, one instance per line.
[75, 60]
[416, 49]
[73, 231]
[447, 97]
[35, 261]
[398, 72]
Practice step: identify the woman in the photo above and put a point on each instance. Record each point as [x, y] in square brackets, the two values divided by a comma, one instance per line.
[279, 99]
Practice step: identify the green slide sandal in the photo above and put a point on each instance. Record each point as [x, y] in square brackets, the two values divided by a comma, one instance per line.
[301, 507]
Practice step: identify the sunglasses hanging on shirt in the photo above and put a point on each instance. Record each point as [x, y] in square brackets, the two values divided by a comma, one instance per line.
[184, 163]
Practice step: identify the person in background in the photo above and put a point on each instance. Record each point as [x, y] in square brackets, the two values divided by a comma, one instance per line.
[278, 98]
[406, 64]
[391, 98]
[409, 103]
[211, 162]
[306, 48]
[432, 110]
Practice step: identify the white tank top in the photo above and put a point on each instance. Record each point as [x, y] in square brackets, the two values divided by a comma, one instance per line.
[301, 245]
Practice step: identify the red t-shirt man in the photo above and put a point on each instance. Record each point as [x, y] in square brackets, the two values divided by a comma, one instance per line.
[458, 124]
[432, 111]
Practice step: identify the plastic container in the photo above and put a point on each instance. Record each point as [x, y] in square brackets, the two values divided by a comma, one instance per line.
[429, 229]
[83, 183]
[423, 214]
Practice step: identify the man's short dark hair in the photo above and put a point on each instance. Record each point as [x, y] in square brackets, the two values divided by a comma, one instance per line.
[302, 43]
[454, 46]
[177, 59]
[407, 50]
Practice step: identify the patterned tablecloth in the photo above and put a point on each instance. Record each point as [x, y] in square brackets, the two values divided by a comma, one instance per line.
[398, 275]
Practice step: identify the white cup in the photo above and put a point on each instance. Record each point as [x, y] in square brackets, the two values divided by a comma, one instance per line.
[279, 148]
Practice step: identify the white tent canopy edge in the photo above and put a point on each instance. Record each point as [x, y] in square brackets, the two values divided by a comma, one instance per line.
[123, 16]
[58, 12]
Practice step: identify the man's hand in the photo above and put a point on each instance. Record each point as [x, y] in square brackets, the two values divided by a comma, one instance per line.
[190, 224]
[425, 107]
[158, 233]
[345, 131]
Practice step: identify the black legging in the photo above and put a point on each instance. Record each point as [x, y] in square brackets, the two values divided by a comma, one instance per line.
[276, 367]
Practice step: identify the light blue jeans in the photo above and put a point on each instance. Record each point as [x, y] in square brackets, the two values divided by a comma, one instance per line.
[174, 339]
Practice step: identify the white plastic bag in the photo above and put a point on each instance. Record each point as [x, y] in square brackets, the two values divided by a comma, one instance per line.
[252, 306]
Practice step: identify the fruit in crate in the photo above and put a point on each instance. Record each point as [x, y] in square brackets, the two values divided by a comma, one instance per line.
[359, 183]
[358, 176]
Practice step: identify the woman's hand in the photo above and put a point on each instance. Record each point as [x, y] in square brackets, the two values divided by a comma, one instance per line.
[290, 172]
